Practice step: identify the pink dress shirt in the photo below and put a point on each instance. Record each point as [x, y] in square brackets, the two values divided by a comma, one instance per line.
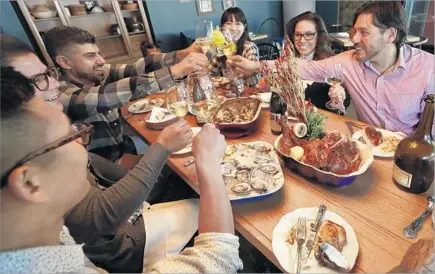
[393, 101]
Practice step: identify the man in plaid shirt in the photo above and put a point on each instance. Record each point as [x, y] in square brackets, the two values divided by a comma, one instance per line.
[93, 91]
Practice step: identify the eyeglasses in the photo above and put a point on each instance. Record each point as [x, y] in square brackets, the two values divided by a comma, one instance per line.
[41, 80]
[81, 131]
[308, 36]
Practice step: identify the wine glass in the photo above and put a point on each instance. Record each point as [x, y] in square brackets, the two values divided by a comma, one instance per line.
[203, 99]
[332, 79]
[176, 99]
[237, 81]
[204, 35]
[229, 48]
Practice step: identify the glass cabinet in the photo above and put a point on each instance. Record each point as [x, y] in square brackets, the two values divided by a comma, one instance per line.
[119, 26]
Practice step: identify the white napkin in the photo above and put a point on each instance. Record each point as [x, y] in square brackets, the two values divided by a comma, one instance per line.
[155, 111]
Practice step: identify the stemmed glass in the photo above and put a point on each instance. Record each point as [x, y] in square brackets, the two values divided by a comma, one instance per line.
[203, 99]
[228, 49]
[204, 35]
[333, 79]
[177, 99]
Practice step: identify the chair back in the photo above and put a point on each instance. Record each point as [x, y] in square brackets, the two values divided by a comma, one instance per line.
[268, 51]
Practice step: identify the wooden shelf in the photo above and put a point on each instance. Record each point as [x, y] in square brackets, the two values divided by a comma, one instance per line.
[92, 14]
[45, 20]
[107, 36]
[135, 33]
[131, 10]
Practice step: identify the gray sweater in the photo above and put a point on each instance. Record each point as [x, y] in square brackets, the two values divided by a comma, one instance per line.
[100, 219]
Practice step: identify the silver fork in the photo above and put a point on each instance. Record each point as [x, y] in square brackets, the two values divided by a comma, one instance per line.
[411, 230]
[301, 234]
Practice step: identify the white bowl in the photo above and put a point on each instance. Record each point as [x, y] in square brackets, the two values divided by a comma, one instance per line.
[43, 14]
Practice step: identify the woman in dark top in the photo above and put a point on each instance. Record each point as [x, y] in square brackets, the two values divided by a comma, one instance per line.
[308, 33]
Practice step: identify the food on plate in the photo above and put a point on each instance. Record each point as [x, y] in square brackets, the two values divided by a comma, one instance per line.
[250, 169]
[300, 130]
[237, 111]
[297, 152]
[220, 81]
[333, 153]
[332, 257]
[331, 233]
[160, 115]
[373, 135]
[389, 144]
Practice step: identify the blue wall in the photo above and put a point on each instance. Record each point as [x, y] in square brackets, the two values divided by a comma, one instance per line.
[328, 11]
[9, 22]
[170, 17]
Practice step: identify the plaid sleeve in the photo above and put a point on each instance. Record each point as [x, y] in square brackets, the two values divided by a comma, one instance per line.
[82, 102]
[151, 63]
[250, 51]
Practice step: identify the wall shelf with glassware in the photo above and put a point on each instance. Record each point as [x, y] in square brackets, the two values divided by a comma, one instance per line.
[136, 33]
[118, 37]
[91, 14]
[46, 19]
[107, 37]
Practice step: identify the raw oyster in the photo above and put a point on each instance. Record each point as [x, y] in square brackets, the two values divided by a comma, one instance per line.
[268, 168]
[332, 257]
[241, 189]
[232, 162]
[260, 147]
[228, 169]
[243, 175]
[262, 160]
[230, 150]
[259, 185]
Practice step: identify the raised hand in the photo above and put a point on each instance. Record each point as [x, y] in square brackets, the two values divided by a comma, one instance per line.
[176, 136]
[192, 63]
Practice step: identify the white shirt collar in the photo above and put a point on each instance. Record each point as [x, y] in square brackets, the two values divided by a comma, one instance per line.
[309, 57]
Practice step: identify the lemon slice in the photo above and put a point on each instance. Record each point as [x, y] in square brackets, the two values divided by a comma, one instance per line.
[219, 38]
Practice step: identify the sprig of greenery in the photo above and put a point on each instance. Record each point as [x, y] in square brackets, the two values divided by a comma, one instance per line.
[315, 125]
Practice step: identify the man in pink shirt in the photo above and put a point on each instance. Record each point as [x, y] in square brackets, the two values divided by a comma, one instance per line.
[386, 79]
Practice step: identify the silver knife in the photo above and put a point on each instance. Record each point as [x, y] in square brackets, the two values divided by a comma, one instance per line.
[313, 232]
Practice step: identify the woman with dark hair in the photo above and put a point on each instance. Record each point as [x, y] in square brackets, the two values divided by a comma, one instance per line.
[308, 33]
[234, 20]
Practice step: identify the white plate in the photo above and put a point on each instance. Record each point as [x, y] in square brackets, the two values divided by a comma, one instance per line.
[145, 105]
[188, 148]
[286, 253]
[246, 158]
[264, 97]
[377, 150]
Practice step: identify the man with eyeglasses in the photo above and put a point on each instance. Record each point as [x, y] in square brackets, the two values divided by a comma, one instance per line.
[110, 240]
[94, 91]
[387, 79]
[43, 177]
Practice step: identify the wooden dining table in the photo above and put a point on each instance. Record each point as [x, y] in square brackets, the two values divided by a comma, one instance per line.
[376, 209]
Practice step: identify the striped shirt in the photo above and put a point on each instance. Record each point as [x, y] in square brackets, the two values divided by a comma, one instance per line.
[99, 105]
[250, 52]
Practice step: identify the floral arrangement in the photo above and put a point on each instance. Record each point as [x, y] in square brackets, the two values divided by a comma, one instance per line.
[284, 78]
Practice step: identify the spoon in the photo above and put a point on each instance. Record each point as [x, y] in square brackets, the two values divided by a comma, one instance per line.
[411, 230]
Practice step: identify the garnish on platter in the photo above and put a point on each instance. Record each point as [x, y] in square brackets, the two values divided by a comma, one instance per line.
[307, 141]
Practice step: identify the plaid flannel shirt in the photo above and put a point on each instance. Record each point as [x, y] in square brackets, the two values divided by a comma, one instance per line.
[250, 52]
[99, 105]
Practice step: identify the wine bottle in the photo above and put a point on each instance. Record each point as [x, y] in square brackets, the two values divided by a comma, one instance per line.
[413, 167]
[276, 109]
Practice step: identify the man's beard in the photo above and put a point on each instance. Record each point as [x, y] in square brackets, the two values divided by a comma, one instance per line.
[91, 77]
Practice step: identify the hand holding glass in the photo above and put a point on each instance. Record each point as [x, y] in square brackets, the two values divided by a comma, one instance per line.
[176, 99]
[333, 79]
